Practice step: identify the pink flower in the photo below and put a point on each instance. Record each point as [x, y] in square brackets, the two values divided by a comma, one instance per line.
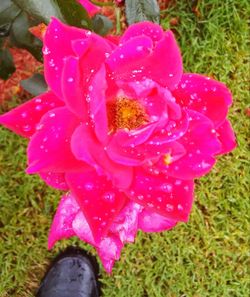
[91, 8]
[124, 130]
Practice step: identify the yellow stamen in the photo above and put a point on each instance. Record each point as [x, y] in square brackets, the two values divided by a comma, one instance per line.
[167, 159]
[125, 113]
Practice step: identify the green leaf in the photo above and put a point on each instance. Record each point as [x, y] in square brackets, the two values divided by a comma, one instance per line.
[22, 38]
[35, 85]
[7, 66]
[68, 11]
[41, 10]
[142, 10]
[74, 14]
[101, 24]
[8, 11]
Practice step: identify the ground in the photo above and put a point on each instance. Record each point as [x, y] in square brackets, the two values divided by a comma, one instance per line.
[205, 257]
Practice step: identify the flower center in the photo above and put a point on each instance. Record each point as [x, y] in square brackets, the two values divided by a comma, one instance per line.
[125, 113]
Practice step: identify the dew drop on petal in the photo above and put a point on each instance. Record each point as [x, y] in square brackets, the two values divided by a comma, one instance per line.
[180, 207]
[26, 128]
[169, 207]
[109, 196]
[70, 79]
[167, 187]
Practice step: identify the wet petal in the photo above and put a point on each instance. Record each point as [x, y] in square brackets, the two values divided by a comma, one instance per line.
[150, 221]
[149, 29]
[62, 223]
[49, 148]
[72, 88]
[201, 144]
[98, 199]
[57, 37]
[90, 7]
[125, 225]
[85, 147]
[97, 102]
[24, 119]
[162, 194]
[226, 137]
[55, 180]
[205, 95]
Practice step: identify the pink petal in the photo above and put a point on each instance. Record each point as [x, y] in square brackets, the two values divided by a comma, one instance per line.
[165, 64]
[165, 69]
[62, 223]
[49, 148]
[201, 145]
[205, 95]
[98, 199]
[126, 60]
[109, 250]
[91, 8]
[149, 29]
[57, 46]
[55, 180]
[150, 221]
[125, 224]
[85, 147]
[72, 88]
[137, 155]
[226, 136]
[162, 194]
[98, 112]
[24, 119]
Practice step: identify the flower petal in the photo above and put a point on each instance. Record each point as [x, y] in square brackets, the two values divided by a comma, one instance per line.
[90, 7]
[72, 88]
[97, 103]
[226, 137]
[125, 224]
[24, 119]
[85, 147]
[55, 180]
[205, 95]
[49, 148]
[57, 46]
[162, 194]
[201, 144]
[149, 221]
[98, 199]
[149, 29]
[62, 223]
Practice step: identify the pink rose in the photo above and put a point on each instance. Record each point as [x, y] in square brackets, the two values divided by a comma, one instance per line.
[124, 130]
[90, 7]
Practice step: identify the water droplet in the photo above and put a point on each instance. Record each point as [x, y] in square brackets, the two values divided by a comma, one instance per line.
[159, 199]
[52, 114]
[39, 107]
[169, 207]
[167, 187]
[139, 48]
[140, 197]
[24, 114]
[180, 207]
[170, 75]
[90, 88]
[70, 79]
[51, 63]
[107, 55]
[121, 56]
[109, 196]
[38, 100]
[89, 33]
[46, 50]
[26, 128]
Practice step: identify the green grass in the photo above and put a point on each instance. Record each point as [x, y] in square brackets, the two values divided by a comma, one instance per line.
[206, 257]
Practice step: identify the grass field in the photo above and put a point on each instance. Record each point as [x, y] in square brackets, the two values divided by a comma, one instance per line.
[206, 257]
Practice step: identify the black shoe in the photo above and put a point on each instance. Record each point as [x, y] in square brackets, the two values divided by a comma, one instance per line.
[72, 274]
